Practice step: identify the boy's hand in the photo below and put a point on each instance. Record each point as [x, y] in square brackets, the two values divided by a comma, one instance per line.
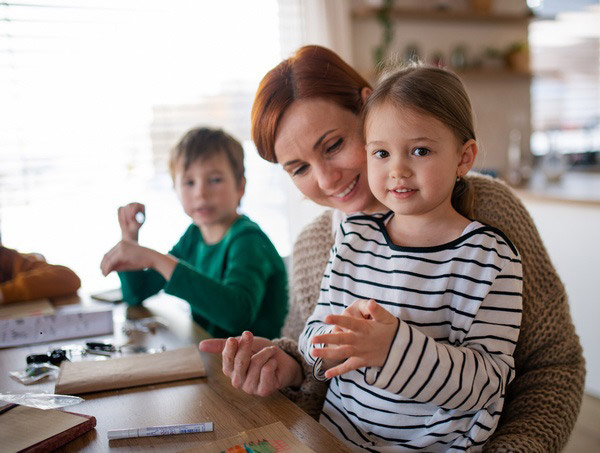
[361, 340]
[126, 256]
[129, 220]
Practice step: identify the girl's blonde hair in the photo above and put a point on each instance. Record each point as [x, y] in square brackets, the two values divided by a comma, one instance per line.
[436, 92]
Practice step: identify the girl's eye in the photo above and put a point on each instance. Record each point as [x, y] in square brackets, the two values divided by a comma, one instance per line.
[188, 183]
[215, 180]
[381, 153]
[335, 146]
[420, 152]
[300, 170]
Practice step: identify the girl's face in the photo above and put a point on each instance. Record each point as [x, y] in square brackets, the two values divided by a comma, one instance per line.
[413, 160]
[319, 145]
[209, 192]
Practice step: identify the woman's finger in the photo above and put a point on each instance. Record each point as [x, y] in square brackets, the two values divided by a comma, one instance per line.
[269, 381]
[212, 345]
[253, 375]
[242, 359]
[229, 353]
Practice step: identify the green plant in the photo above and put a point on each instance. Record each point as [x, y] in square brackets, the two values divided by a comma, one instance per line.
[384, 18]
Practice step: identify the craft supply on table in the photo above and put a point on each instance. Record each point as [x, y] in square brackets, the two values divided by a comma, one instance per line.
[40, 400]
[66, 322]
[130, 371]
[160, 430]
[272, 438]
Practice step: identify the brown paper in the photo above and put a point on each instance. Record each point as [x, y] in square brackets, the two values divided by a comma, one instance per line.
[274, 437]
[76, 378]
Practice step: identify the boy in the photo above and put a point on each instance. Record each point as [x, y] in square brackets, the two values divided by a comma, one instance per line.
[224, 266]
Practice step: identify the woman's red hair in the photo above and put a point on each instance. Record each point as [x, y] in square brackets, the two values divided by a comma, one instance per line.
[313, 72]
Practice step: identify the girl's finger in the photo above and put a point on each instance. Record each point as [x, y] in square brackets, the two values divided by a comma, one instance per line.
[334, 338]
[347, 322]
[341, 353]
[377, 312]
[349, 365]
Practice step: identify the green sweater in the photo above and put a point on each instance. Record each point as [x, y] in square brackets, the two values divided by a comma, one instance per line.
[237, 284]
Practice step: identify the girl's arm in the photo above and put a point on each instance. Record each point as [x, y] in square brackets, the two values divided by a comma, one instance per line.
[468, 376]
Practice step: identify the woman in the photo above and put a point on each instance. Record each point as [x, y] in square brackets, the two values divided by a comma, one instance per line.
[306, 116]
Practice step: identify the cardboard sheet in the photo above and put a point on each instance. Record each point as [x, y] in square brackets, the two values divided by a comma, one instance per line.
[275, 437]
[76, 378]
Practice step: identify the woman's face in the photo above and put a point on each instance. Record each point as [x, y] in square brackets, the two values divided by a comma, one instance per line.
[319, 145]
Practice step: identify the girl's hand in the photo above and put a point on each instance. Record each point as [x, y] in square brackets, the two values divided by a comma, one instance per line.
[254, 364]
[128, 220]
[360, 341]
[127, 256]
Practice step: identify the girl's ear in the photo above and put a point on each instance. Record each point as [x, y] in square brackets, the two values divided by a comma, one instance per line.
[468, 153]
[365, 92]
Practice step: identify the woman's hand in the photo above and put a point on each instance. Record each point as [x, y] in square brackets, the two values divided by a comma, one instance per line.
[129, 220]
[254, 364]
[126, 256]
[362, 336]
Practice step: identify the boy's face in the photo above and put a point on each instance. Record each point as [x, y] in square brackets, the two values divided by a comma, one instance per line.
[208, 191]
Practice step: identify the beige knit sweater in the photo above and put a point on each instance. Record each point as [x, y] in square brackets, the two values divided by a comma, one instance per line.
[543, 401]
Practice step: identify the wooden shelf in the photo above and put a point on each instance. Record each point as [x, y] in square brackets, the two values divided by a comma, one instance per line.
[470, 74]
[363, 12]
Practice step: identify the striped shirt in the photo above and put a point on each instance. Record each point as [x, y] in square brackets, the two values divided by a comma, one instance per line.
[443, 383]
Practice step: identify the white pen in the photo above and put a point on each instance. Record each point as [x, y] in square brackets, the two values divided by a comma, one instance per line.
[160, 430]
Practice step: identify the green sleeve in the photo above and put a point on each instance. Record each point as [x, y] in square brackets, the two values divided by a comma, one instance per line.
[234, 302]
[138, 286]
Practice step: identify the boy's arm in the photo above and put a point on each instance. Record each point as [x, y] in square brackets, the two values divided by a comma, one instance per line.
[138, 285]
[33, 278]
[234, 302]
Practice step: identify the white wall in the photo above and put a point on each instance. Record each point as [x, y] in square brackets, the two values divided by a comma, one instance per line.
[571, 233]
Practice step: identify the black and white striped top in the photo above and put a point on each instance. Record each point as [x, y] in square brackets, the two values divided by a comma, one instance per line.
[459, 308]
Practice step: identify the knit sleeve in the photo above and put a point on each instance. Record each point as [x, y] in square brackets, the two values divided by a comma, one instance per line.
[310, 255]
[543, 401]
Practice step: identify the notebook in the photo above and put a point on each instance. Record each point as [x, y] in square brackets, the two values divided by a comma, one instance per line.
[28, 429]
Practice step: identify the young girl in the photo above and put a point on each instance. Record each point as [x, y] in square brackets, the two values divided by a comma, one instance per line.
[423, 364]
[224, 265]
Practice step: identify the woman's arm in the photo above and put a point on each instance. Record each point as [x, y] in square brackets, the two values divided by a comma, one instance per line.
[543, 401]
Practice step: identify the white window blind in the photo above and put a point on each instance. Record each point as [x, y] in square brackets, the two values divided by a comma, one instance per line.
[92, 96]
[565, 51]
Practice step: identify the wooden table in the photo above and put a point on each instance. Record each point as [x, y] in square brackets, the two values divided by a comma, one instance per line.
[190, 401]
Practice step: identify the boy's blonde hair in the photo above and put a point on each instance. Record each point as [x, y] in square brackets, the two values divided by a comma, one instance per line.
[203, 142]
[436, 92]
